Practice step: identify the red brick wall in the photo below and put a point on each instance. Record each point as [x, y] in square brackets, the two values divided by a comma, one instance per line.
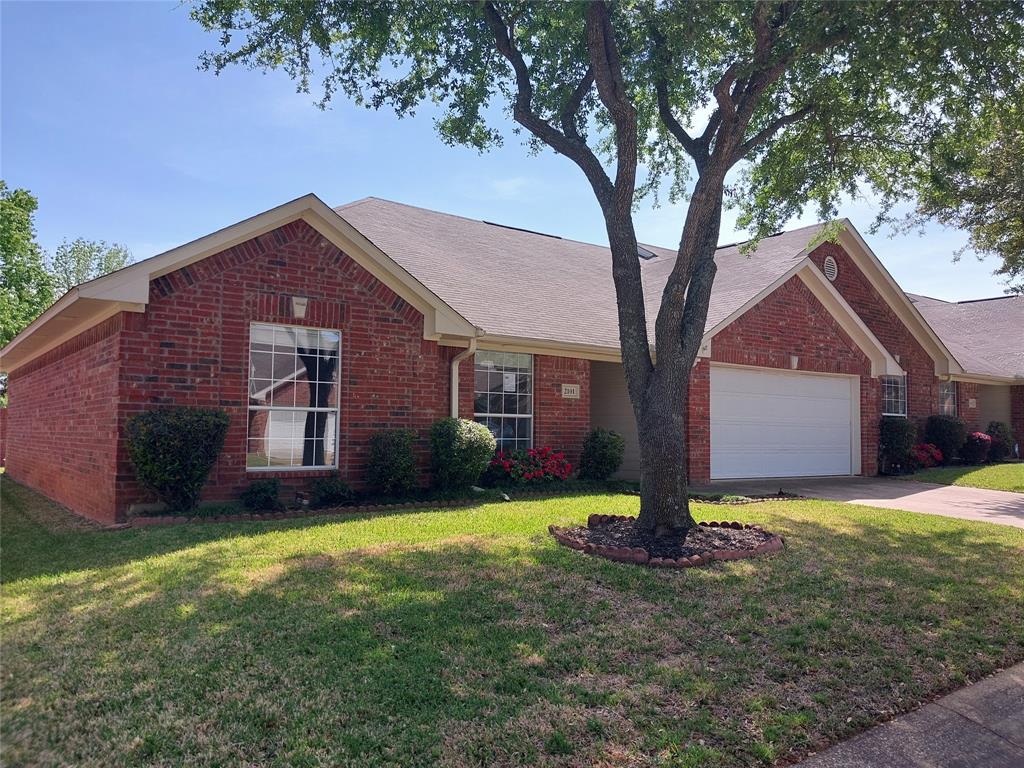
[560, 422]
[965, 393]
[790, 321]
[190, 347]
[62, 421]
[3, 435]
[1017, 415]
[922, 385]
[698, 424]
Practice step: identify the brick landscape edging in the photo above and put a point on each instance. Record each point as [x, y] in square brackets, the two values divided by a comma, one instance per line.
[641, 556]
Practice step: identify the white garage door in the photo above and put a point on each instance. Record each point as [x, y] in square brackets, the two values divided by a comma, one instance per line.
[781, 424]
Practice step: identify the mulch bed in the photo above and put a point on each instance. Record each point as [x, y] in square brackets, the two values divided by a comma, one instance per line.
[616, 537]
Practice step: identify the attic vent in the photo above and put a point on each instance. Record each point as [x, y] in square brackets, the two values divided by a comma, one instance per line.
[830, 268]
[643, 253]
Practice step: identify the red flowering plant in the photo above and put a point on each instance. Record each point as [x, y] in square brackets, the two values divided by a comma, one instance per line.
[925, 455]
[534, 465]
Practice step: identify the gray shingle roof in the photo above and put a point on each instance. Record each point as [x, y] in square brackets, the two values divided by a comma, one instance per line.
[986, 336]
[512, 282]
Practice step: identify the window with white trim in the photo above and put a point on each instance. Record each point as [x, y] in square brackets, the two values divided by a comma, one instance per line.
[293, 398]
[503, 397]
[894, 395]
[947, 398]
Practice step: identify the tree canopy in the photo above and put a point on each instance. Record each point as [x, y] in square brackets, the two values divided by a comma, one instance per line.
[81, 260]
[808, 101]
[25, 287]
[977, 184]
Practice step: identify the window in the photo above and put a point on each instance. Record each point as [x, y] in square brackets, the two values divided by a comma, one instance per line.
[293, 398]
[894, 395]
[503, 397]
[947, 398]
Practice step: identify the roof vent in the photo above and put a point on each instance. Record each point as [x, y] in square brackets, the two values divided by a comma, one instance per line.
[830, 268]
[643, 253]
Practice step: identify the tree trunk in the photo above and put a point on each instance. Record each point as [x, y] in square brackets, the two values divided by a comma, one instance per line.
[660, 392]
[664, 498]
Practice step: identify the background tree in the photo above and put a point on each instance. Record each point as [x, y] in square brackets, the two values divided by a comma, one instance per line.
[977, 183]
[815, 99]
[82, 260]
[25, 287]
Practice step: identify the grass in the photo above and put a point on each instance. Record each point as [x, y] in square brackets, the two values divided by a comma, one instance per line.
[467, 637]
[996, 477]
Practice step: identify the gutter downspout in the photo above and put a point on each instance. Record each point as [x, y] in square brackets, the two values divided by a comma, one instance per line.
[471, 349]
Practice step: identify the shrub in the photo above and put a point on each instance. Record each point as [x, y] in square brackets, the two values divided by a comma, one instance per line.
[602, 455]
[262, 494]
[896, 437]
[947, 433]
[1002, 440]
[925, 455]
[460, 450]
[173, 451]
[330, 492]
[391, 469]
[975, 448]
[535, 465]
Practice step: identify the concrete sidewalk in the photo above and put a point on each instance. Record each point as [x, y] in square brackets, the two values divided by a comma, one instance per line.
[980, 726]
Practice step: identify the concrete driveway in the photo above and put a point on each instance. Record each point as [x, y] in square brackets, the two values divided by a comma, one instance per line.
[948, 500]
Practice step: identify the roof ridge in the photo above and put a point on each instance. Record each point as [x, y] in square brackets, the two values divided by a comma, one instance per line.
[990, 298]
[550, 235]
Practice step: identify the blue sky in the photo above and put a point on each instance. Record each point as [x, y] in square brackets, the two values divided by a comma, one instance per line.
[106, 119]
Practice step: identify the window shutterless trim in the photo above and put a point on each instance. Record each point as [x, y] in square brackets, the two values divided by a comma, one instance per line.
[335, 409]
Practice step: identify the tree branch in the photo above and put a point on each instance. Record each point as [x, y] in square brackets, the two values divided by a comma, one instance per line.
[524, 114]
[692, 146]
[770, 130]
[722, 93]
[572, 106]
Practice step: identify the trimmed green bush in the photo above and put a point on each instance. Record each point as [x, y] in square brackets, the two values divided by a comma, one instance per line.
[460, 451]
[602, 455]
[262, 494]
[391, 469]
[896, 438]
[330, 492]
[1002, 440]
[173, 451]
[947, 433]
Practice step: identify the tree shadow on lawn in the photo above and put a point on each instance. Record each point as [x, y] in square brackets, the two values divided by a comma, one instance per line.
[484, 651]
[41, 538]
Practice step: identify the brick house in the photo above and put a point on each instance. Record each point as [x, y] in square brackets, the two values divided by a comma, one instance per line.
[315, 327]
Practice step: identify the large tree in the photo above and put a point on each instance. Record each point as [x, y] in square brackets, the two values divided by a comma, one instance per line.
[82, 260]
[976, 183]
[810, 99]
[25, 286]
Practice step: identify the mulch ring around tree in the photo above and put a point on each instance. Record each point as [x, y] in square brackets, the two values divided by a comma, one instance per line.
[616, 537]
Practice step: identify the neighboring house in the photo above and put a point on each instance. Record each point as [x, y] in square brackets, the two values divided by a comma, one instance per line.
[987, 338]
[316, 327]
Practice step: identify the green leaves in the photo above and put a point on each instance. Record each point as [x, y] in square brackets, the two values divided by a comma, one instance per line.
[25, 287]
[82, 260]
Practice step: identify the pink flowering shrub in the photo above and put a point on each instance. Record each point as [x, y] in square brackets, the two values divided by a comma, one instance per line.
[534, 465]
[925, 455]
[975, 448]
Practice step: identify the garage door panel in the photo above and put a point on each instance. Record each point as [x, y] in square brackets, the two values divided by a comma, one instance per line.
[768, 423]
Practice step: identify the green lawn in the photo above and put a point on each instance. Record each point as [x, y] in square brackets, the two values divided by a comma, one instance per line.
[467, 637]
[997, 477]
